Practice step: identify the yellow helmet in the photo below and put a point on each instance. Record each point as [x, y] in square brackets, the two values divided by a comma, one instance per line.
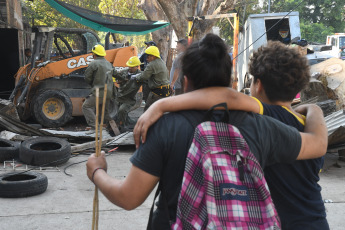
[133, 61]
[99, 50]
[153, 50]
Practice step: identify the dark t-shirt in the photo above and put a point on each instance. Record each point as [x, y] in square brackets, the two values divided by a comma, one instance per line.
[294, 187]
[165, 150]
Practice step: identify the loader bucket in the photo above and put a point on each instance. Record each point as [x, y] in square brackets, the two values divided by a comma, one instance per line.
[8, 108]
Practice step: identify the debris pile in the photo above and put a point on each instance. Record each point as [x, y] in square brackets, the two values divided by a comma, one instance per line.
[327, 89]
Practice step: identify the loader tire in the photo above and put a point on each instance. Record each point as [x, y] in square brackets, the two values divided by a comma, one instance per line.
[8, 150]
[17, 185]
[52, 108]
[45, 151]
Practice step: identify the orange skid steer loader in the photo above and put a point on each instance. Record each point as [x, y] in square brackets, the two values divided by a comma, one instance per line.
[52, 88]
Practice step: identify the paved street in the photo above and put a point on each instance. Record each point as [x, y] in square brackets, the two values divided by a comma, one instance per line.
[67, 203]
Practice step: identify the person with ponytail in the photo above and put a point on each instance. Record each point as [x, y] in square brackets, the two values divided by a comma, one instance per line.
[162, 157]
[279, 74]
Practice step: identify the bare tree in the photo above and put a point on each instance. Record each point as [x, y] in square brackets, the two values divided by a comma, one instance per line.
[177, 13]
[162, 37]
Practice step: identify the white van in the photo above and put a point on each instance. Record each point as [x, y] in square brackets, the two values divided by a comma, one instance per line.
[258, 29]
[337, 41]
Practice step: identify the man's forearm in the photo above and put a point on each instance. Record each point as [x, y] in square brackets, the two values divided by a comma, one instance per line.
[111, 188]
[128, 193]
[145, 75]
[203, 99]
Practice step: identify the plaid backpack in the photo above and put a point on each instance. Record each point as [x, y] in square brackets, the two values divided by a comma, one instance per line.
[223, 184]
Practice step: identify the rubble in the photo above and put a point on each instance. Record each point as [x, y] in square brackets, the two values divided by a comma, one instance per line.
[327, 82]
[336, 128]
[20, 131]
[327, 89]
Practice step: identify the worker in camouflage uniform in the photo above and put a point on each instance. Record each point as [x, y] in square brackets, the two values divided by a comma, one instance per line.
[157, 75]
[127, 91]
[96, 77]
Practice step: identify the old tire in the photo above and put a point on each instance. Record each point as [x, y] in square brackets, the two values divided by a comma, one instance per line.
[52, 108]
[8, 150]
[16, 185]
[45, 151]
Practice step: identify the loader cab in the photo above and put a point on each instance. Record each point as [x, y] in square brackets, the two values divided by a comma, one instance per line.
[55, 44]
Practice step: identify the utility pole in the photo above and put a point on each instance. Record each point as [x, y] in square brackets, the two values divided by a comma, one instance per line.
[269, 6]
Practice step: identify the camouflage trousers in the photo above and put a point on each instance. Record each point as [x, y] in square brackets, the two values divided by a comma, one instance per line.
[152, 98]
[122, 113]
[89, 110]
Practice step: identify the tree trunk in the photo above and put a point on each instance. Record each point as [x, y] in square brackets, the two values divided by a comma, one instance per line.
[153, 12]
[179, 11]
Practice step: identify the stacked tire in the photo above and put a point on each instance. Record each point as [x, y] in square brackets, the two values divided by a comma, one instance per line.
[45, 151]
[40, 151]
[9, 150]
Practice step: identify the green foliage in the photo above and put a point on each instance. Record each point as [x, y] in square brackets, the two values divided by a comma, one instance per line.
[40, 13]
[127, 9]
[226, 29]
[318, 18]
[308, 31]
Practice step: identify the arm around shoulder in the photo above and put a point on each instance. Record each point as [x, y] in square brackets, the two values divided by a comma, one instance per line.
[201, 99]
[315, 136]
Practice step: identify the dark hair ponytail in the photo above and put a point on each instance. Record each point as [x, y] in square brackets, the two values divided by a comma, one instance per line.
[206, 63]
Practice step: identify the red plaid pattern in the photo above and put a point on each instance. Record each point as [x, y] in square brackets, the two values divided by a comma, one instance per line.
[212, 195]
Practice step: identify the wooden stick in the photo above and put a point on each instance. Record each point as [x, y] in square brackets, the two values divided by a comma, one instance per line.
[95, 197]
[102, 117]
[96, 121]
[98, 142]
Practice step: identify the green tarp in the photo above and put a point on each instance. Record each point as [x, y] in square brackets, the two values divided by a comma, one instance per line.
[105, 22]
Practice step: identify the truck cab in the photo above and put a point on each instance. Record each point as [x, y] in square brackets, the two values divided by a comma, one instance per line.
[337, 41]
[258, 29]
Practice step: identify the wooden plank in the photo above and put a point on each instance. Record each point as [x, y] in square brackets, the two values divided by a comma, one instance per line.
[114, 127]
[87, 145]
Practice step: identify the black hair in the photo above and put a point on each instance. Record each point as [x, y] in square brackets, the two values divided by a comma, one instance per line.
[206, 63]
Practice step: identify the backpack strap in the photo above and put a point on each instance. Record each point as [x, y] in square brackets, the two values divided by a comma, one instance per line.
[226, 116]
[235, 121]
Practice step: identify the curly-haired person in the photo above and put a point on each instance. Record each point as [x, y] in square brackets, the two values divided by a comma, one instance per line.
[279, 74]
[281, 70]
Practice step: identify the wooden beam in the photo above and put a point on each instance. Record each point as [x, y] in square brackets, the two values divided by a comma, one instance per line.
[87, 145]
